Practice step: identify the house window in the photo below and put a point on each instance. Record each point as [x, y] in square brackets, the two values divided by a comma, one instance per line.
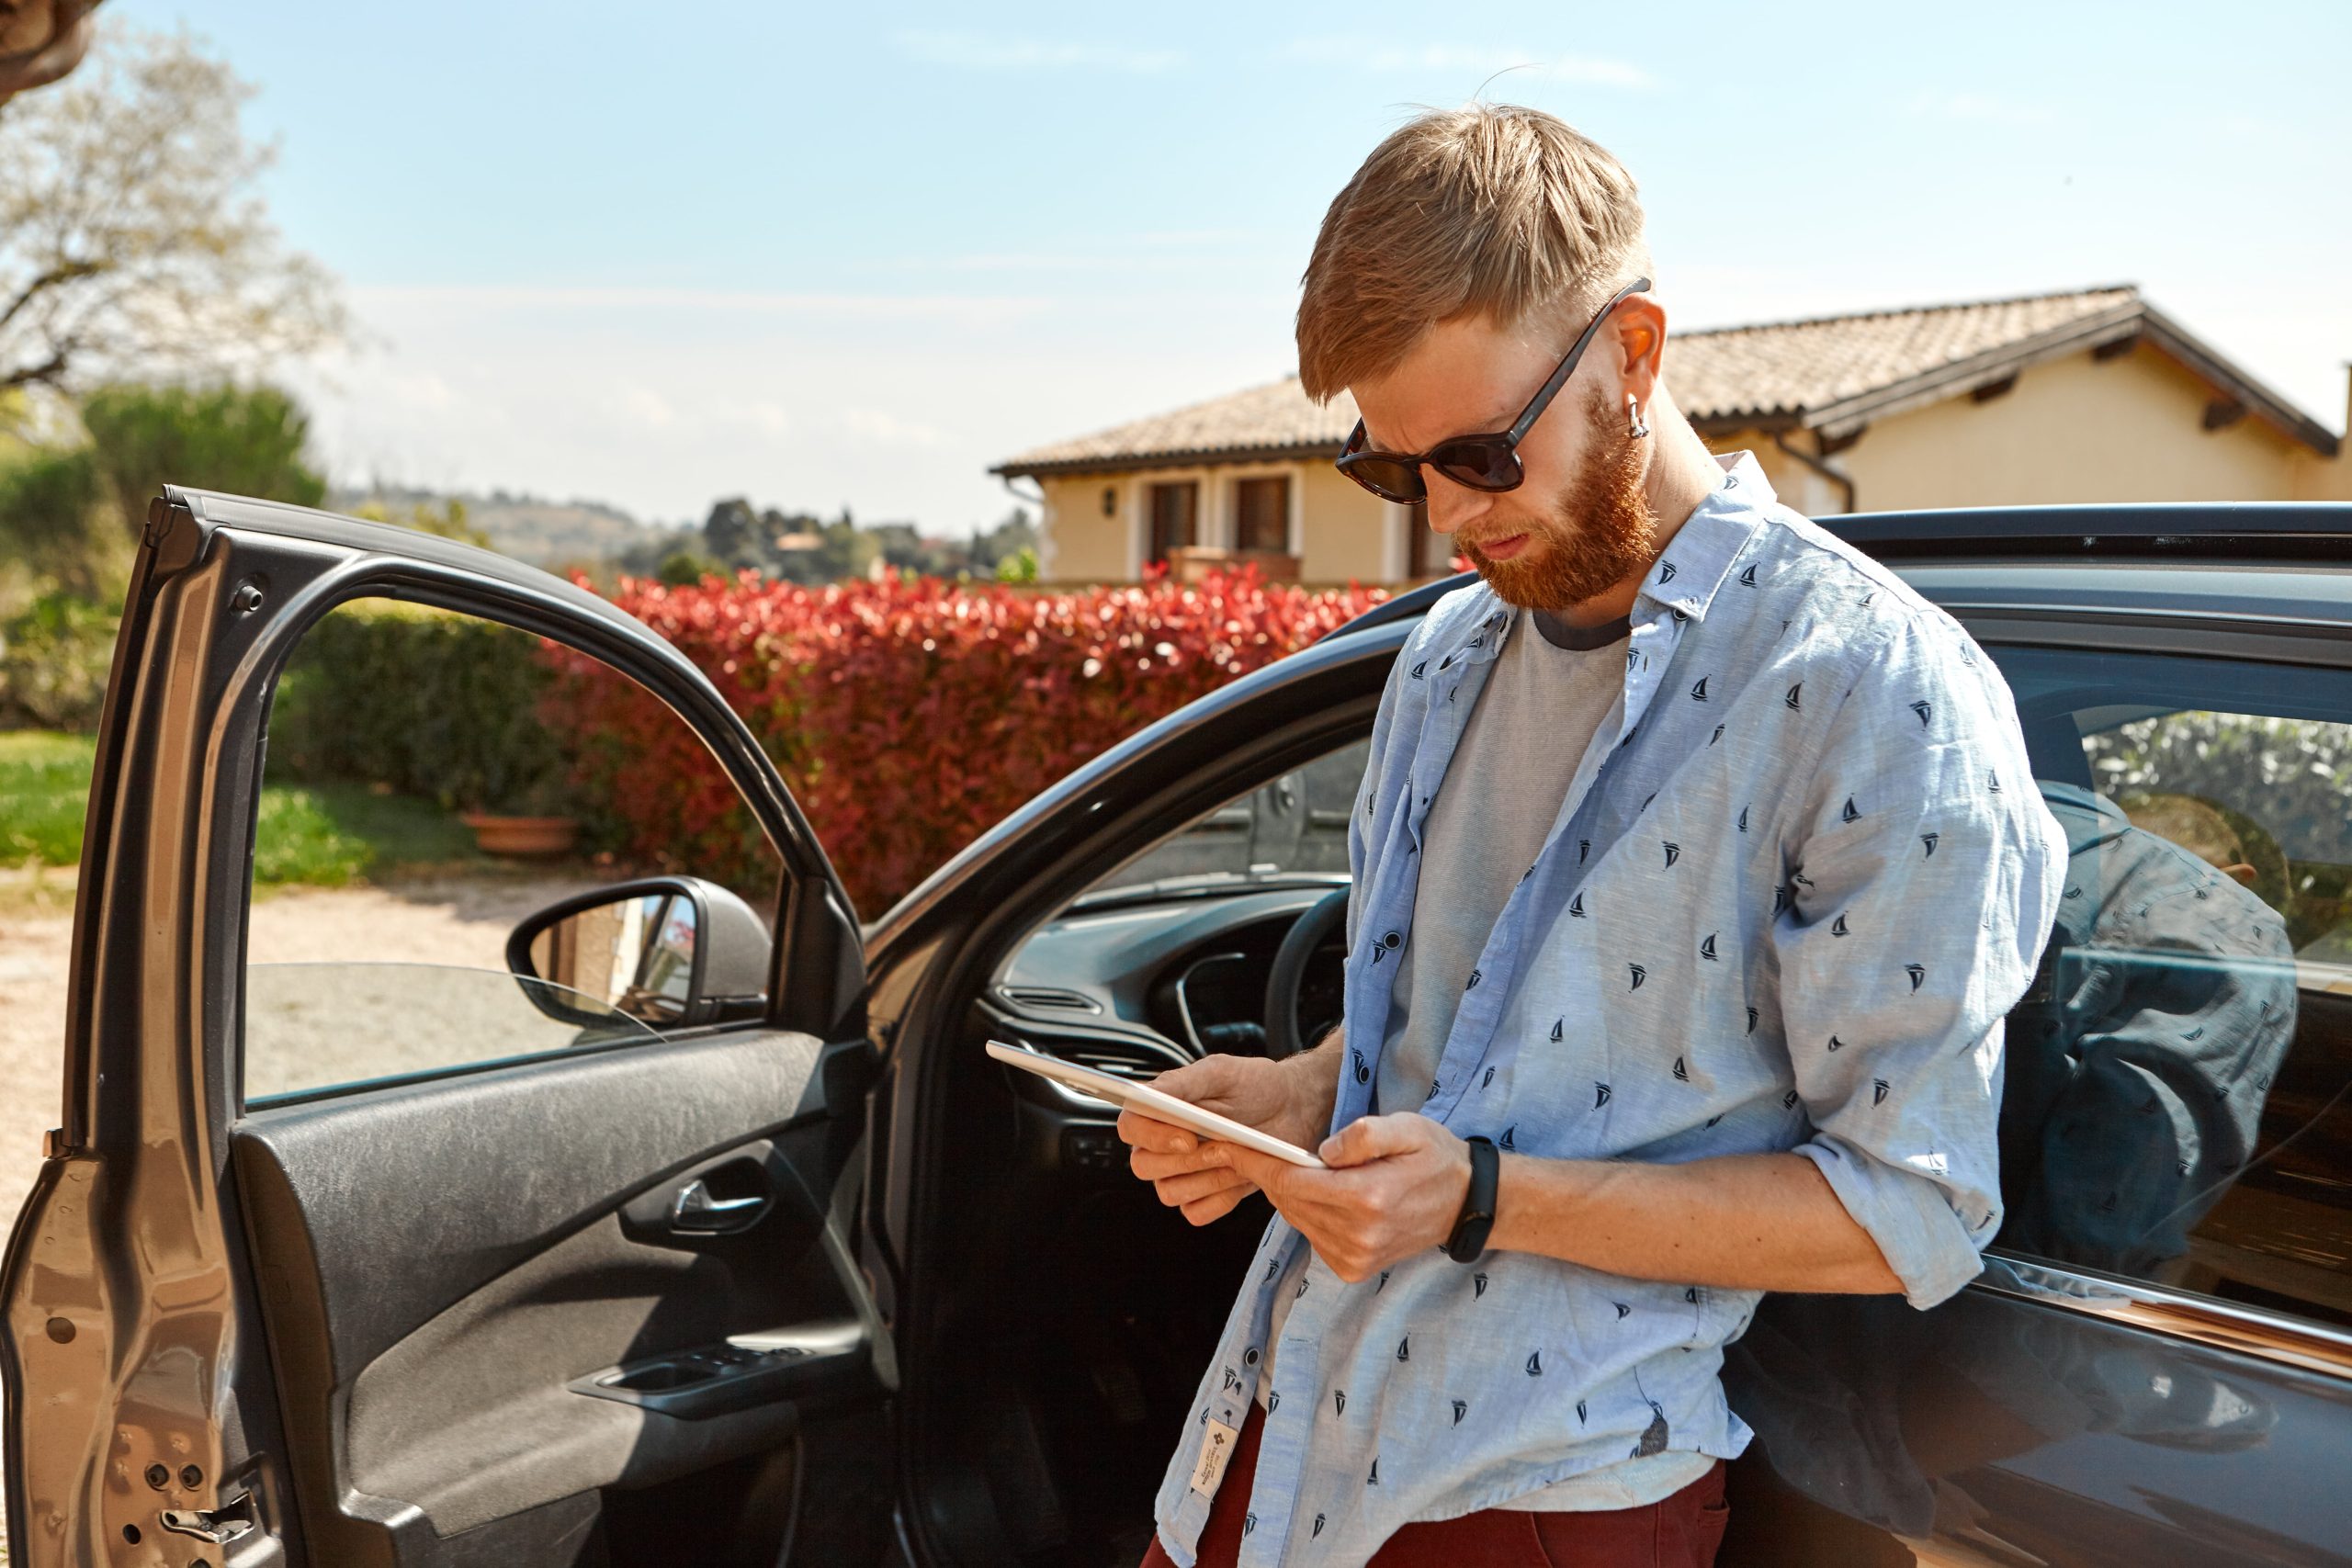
[1262, 514]
[1175, 518]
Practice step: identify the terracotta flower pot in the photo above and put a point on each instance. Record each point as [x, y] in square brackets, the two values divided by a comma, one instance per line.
[521, 836]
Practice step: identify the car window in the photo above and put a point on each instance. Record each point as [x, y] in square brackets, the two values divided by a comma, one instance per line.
[431, 781]
[1294, 826]
[2175, 1105]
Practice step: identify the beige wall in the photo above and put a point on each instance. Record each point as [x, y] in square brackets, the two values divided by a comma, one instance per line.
[2074, 430]
[1341, 529]
[2320, 478]
[1347, 528]
[1079, 544]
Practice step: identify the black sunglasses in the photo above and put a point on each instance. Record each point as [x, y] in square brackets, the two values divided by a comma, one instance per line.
[1482, 462]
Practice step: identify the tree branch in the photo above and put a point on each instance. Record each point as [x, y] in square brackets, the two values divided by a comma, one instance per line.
[43, 375]
[63, 272]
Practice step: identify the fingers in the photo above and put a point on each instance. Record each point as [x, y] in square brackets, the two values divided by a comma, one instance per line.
[1181, 1191]
[1150, 1133]
[1376, 1137]
[1153, 1165]
[1198, 1081]
[1201, 1211]
[1278, 1178]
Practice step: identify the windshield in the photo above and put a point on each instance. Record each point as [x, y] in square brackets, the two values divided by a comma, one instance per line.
[1294, 827]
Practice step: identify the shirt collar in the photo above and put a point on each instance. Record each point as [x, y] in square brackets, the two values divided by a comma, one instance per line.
[1681, 582]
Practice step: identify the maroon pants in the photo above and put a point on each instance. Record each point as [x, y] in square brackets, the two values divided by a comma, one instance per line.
[1682, 1531]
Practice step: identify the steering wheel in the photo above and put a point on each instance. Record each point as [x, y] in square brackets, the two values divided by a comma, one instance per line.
[1309, 932]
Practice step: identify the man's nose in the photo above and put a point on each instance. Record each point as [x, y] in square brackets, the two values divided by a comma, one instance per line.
[1451, 505]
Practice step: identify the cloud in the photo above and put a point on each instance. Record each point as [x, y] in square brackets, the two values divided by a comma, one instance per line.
[966, 308]
[885, 429]
[1586, 70]
[972, 53]
[1979, 107]
[647, 408]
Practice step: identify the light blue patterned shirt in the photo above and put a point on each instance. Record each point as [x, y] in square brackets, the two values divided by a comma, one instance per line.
[1799, 876]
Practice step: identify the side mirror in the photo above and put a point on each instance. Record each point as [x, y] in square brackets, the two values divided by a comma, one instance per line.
[671, 952]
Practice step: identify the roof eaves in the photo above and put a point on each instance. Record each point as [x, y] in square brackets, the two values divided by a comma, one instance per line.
[2205, 361]
[1993, 364]
[1939, 307]
[1133, 462]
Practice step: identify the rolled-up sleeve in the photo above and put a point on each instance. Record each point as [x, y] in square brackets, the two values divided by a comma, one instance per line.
[1924, 875]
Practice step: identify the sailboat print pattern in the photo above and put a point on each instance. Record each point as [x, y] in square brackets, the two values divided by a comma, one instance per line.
[1866, 817]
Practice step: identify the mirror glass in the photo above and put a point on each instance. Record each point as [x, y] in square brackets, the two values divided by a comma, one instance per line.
[634, 954]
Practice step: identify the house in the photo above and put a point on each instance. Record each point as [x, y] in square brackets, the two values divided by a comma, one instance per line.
[2091, 395]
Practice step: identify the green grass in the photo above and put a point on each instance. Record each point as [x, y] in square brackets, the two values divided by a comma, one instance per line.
[44, 782]
[312, 835]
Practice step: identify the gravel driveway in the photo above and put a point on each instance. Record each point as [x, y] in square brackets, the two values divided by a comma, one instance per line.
[461, 923]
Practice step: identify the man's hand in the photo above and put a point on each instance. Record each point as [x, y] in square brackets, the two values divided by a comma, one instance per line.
[1394, 1188]
[1290, 1100]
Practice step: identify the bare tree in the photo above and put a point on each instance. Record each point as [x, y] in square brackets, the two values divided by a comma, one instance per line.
[131, 242]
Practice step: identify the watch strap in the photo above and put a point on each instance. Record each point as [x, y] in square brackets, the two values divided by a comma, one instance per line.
[1477, 1216]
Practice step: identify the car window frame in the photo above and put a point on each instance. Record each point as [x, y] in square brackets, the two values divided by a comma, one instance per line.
[396, 579]
[2307, 1342]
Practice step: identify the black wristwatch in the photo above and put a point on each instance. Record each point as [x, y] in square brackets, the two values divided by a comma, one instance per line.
[1477, 1216]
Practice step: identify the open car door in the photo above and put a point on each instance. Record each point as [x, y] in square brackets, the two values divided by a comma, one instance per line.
[579, 1296]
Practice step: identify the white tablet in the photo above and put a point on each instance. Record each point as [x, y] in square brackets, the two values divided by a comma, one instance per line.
[1158, 1104]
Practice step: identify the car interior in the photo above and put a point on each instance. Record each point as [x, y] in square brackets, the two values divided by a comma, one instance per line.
[1090, 1309]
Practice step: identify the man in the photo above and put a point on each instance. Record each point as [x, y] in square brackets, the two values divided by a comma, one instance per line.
[1696, 862]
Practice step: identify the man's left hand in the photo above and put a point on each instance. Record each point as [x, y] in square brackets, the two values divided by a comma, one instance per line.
[1395, 1187]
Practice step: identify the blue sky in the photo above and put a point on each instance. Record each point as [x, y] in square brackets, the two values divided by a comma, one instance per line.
[853, 256]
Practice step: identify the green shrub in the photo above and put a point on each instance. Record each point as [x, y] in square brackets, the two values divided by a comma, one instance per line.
[53, 663]
[244, 440]
[439, 707]
[48, 500]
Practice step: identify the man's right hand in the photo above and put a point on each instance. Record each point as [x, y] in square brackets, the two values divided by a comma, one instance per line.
[1290, 1100]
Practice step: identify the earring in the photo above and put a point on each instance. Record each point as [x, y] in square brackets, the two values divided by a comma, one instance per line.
[1634, 428]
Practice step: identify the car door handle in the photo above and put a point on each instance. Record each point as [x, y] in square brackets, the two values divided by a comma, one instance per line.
[694, 1209]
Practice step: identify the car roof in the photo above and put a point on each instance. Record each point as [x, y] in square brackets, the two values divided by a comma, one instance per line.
[2261, 562]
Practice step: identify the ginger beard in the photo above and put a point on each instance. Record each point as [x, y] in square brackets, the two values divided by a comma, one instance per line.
[1602, 532]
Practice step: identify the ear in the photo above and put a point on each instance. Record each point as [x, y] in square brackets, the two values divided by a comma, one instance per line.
[1640, 325]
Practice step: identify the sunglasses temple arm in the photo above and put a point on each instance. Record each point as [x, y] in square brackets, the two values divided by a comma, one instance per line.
[1568, 367]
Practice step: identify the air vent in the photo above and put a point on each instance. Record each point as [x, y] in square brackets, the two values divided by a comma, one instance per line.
[1140, 1063]
[1048, 997]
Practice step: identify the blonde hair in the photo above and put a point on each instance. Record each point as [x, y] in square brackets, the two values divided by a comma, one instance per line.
[1493, 209]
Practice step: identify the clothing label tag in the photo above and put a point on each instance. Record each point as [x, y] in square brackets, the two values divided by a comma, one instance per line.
[1216, 1446]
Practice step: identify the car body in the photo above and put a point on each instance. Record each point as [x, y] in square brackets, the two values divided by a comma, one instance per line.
[817, 1281]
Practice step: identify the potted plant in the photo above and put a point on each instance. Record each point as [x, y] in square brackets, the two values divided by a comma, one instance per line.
[518, 802]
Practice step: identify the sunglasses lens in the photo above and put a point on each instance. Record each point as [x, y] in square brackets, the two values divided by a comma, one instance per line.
[1394, 481]
[1481, 465]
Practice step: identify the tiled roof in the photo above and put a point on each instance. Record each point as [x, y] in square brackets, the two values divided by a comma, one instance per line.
[1791, 368]
[1833, 373]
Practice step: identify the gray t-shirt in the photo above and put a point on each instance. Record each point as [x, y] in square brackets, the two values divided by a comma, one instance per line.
[1550, 688]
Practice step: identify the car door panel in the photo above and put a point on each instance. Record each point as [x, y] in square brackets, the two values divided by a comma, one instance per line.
[2008, 1426]
[491, 1254]
[425, 1280]
[414, 1196]
[447, 1323]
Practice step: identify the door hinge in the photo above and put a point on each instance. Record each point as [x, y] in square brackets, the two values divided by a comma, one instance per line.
[224, 1525]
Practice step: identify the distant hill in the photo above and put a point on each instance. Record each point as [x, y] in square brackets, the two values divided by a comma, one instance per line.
[530, 529]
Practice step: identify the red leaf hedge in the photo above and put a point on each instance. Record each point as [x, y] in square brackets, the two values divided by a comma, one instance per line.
[909, 715]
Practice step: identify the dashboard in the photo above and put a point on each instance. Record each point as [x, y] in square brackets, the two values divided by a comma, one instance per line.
[1138, 988]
